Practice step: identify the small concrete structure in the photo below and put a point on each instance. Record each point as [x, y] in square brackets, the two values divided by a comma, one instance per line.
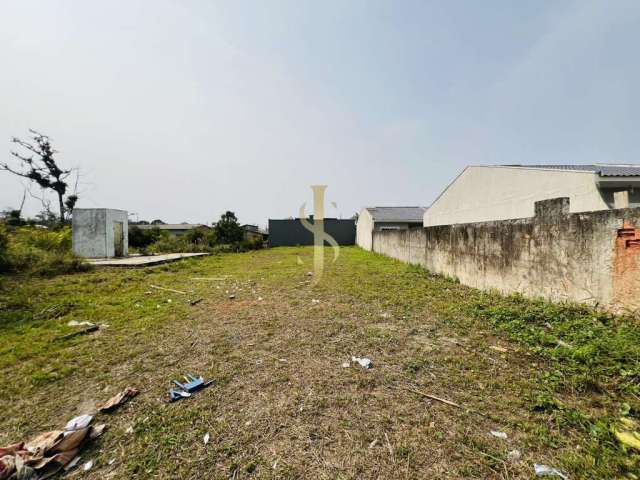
[100, 233]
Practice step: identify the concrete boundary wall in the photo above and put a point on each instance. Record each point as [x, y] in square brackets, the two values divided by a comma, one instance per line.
[591, 257]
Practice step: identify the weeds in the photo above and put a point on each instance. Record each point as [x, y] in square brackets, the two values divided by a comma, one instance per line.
[38, 251]
[284, 407]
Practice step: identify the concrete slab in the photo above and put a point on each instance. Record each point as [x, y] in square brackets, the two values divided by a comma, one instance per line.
[142, 260]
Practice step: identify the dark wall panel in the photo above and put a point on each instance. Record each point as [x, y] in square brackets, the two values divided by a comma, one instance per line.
[291, 232]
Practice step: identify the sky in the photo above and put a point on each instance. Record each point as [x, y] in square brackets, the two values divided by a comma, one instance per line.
[181, 110]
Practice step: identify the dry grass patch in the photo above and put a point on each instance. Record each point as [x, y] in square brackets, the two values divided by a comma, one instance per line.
[283, 406]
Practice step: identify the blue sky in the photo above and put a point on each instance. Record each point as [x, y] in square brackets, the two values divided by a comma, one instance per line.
[181, 110]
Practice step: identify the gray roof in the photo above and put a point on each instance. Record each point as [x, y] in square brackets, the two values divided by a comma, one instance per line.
[397, 214]
[603, 170]
[172, 226]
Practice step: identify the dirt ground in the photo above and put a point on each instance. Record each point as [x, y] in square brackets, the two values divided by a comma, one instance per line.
[283, 405]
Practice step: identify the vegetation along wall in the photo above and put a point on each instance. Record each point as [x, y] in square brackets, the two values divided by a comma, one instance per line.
[591, 257]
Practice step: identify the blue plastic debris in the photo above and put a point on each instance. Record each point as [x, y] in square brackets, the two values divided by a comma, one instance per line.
[192, 384]
[177, 395]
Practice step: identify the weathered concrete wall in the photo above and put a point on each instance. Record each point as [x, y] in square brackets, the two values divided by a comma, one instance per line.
[93, 232]
[591, 257]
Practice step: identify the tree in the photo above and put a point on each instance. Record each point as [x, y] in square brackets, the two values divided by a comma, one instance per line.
[140, 238]
[12, 218]
[228, 230]
[46, 218]
[157, 221]
[41, 168]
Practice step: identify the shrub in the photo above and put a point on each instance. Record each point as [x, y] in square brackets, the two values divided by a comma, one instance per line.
[4, 247]
[38, 251]
[201, 236]
[139, 238]
[228, 230]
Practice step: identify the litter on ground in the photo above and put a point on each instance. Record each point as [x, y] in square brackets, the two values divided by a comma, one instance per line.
[192, 384]
[117, 400]
[72, 463]
[168, 289]
[75, 323]
[206, 437]
[364, 362]
[78, 422]
[546, 471]
[48, 453]
[497, 434]
[84, 331]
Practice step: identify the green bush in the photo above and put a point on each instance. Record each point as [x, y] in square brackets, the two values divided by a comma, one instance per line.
[38, 251]
[4, 249]
[174, 244]
[139, 238]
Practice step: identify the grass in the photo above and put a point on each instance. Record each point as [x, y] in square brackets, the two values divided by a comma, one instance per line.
[556, 380]
[37, 251]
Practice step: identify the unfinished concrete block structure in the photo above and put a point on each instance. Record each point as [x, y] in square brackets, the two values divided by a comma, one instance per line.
[100, 232]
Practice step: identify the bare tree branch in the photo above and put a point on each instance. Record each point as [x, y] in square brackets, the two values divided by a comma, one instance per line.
[41, 168]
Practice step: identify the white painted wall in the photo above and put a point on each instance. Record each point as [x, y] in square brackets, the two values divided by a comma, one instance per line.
[487, 193]
[364, 230]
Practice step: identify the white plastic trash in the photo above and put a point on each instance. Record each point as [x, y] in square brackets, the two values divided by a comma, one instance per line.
[546, 471]
[78, 422]
[364, 362]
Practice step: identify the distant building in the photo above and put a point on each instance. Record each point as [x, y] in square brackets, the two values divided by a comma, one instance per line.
[176, 229]
[253, 233]
[503, 192]
[291, 232]
[372, 219]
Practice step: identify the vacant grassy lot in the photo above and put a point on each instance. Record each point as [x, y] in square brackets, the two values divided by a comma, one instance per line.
[555, 379]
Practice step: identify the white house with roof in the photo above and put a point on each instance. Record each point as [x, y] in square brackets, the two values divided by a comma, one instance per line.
[502, 192]
[372, 219]
[175, 229]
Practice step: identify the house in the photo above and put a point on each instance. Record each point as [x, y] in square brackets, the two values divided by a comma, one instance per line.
[292, 232]
[503, 192]
[176, 229]
[372, 219]
[253, 233]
